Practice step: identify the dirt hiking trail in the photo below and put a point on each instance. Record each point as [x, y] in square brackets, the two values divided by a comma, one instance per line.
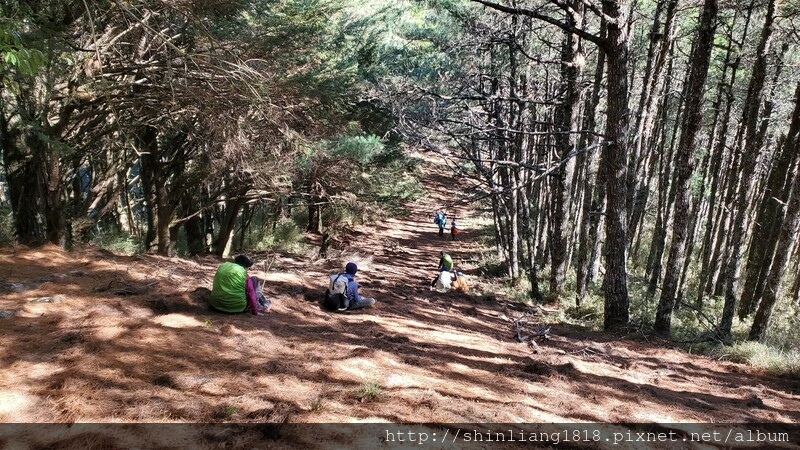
[89, 336]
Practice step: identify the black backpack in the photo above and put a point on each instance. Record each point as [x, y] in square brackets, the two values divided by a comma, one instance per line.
[336, 301]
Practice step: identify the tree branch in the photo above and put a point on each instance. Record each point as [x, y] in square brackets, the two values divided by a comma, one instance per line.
[530, 13]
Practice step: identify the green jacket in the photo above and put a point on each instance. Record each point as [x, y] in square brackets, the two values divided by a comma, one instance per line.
[446, 263]
[228, 293]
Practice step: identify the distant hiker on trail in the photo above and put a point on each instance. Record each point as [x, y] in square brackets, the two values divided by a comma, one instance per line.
[444, 271]
[235, 292]
[453, 230]
[440, 218]
[342, 293]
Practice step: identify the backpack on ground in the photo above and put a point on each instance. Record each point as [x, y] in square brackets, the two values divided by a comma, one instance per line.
[336, 298]
[460, 283]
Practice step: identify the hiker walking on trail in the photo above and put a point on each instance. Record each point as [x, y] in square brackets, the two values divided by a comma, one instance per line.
[440, 218]
[453, 230]
[342, 293]
[235, 292]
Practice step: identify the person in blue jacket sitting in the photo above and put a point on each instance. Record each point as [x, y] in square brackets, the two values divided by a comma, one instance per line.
[356, 301]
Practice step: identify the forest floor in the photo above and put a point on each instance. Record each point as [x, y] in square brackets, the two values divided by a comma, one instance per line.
[90, 336]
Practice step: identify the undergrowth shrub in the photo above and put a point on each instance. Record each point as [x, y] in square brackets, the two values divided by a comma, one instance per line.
[482, 228]
[784, 330]
[588, 314]
[287, 236]
[118, 242]
[368, 392]
[390, 181]
[6, 226]
[761, 356]
[347, 210]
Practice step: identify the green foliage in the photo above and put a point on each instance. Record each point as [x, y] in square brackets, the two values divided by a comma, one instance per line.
[15, 53]
[761, 356]
[362, 177]
[696, 183]
[225, 411]
[784, 329]
[398, 39]
[347, 210]
[392, 188]
[589, 314]
[118, 242]
[390, 182]
[6, 226]
[368, 392]
[360, 149]
[491, 265]
[287, 236]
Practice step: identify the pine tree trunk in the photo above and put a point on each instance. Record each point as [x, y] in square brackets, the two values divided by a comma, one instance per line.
[694, 217]
[666, 199]
[529, 235]
[685, 164]
[769, 217]
[591, 211]
[710, 248]
[227, 225]
[315, 199]
[26, 162]
[514, 121]
[785, 237]
[166, 213]
[796, 285]
[614, 166]
[51, 185]
[749, 158]
[640, 179]
[148, 170]
[22, 188]
[498, 231]
[166, 246]
[195, 237]
[566, 121]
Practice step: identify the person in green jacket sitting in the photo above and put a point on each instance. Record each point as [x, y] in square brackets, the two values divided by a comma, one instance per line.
[235, 292]
[445, 265]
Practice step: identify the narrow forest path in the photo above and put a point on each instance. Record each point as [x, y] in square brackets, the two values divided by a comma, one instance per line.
[97, 337]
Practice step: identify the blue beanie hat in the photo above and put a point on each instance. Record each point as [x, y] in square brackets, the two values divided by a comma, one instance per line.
[351, 268]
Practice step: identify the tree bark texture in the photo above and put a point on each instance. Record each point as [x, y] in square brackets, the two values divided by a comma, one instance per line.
[749, 158]
[614, 168]
[769, 217]
[786, 237]
[566, 122]
[701, 57]
[592, 209]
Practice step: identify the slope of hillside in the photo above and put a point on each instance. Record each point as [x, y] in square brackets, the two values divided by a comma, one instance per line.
[90, 336]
